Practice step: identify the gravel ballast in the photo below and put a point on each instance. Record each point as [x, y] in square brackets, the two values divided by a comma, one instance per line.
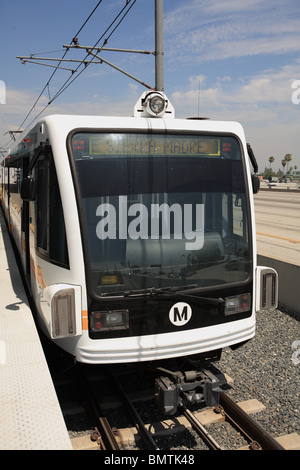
[268, 368]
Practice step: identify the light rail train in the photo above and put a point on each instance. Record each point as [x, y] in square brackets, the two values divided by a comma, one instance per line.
[137, 234]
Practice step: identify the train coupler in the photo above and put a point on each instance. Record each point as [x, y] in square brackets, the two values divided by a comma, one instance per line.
[190, 387]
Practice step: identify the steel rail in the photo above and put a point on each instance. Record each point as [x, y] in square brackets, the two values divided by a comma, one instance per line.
[137, 420]
[106, 435]
[197, 426]
[260, 439]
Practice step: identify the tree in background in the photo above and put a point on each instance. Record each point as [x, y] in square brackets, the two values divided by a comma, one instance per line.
[271, 160]
[283, 163]
[288, 157]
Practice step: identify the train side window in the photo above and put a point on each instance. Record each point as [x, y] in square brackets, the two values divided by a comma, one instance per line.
[51, 232]
[42, 214]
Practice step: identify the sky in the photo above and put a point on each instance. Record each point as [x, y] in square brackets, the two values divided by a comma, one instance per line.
[223, 59]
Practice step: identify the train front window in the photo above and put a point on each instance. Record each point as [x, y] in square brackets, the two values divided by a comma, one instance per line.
[163, 210]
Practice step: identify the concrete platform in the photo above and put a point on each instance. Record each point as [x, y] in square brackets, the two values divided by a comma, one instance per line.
[30, 415]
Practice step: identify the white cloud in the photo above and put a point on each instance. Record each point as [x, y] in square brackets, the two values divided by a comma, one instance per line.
[262, 103]
[268, 88]
[19, 103]
[200, 31]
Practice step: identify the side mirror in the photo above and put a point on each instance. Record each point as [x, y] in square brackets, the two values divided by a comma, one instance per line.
[255, 183]
[28, 189]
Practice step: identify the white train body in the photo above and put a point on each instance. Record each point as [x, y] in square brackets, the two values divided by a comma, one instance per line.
[137, 236]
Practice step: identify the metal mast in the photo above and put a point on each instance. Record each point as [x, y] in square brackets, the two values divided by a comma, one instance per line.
[159, 46]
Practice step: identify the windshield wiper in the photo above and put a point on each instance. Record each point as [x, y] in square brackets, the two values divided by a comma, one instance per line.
[149, 291]
[167, 292]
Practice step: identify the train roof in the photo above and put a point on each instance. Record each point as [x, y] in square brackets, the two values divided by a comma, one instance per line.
[64, 124]
[56, 127]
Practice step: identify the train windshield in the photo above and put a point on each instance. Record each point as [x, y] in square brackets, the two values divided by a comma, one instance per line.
[162, 210]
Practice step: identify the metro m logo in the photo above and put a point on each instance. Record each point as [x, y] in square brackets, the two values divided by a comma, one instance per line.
[180, 314]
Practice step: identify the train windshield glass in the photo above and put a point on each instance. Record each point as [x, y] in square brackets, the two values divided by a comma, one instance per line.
[163, 210]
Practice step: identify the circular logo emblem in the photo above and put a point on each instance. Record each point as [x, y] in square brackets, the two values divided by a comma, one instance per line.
[180, 314]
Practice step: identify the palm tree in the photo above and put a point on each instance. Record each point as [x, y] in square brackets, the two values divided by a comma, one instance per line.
[283, 163]
[271, 160]
[288, 158]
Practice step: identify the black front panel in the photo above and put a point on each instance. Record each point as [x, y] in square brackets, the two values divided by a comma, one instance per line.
[166, 314]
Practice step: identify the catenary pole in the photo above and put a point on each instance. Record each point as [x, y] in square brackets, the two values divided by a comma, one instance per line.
[159, 46]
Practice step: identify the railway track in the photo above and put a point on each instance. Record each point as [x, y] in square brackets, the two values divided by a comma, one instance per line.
[105, 435]
[257, 437]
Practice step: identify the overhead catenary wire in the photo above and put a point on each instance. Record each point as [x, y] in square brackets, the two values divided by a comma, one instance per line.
[75, 73]
[51, 77]
[88, 18]
[68, 82]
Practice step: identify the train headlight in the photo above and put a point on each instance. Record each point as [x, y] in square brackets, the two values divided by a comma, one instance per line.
[109, 320]
[237, 304]
[155, 104]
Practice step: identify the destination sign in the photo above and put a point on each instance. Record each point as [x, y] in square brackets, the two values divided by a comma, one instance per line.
[141, 144]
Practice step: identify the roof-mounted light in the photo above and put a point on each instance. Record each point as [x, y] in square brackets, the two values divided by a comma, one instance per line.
[156, 104]
[153, 104]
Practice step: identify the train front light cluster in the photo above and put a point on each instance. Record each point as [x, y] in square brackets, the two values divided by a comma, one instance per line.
[109, 320]
[237, 304]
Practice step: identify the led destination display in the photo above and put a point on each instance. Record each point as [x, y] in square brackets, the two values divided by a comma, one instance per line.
[140, 144]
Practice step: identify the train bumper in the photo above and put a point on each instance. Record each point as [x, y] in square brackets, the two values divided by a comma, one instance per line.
[164, 346]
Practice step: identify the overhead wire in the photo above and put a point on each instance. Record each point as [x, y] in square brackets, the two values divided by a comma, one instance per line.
[68, 82]
[81, 28]
[54, 72]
